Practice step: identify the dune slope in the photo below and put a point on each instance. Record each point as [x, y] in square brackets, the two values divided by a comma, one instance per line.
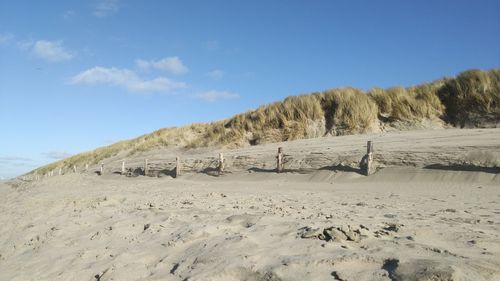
[472, 99]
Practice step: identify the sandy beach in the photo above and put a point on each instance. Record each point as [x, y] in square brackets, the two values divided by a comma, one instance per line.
[249, 140]
[401, 223]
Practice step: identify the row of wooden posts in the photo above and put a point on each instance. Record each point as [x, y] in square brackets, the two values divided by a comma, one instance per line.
[366, 164]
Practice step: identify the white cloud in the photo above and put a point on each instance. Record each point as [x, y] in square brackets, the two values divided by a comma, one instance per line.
[6, 38]
[57, 154]
[68, 14]
[104, 8]
[212, 45]
[125, 78]
[214, 95]
[142, 64]
[173, 65]
[52, 51]
[215, 74]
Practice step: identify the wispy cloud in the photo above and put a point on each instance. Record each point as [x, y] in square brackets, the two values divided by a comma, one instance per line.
[52, 51]
[211, 45]
[6, 38]
[15, 161]
[173, 65]
[104, 8]
[68, 14]
[24, 45]
[215, 74]
[57, 154]
[4, 159]
[125, 78]
[214, 95]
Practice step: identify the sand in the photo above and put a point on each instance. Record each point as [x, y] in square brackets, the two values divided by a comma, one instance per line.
[422, 149]
[401, 223]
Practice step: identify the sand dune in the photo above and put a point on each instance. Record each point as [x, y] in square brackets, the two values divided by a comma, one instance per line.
[420, 148]
[401, 223]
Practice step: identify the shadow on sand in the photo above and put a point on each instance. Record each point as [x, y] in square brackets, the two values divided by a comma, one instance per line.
[465, 168]
[274, 171]
[342, 168]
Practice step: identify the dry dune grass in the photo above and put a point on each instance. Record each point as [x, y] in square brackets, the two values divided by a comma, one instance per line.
[407, 104]
[160, 138]
[473, 96]
[348, 111]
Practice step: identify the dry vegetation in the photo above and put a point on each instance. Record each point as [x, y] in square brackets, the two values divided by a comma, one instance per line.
[470, 99]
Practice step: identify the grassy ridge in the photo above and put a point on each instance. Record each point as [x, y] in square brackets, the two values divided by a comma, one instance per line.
[470, 99]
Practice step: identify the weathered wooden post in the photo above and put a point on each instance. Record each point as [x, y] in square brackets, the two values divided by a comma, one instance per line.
[177, 166]
[280, 158]
[123, 167]
[74, 169]
[221, 163]
[60, 171]
[86, 167]
[146, 167]
[102, 169]
[366, 164]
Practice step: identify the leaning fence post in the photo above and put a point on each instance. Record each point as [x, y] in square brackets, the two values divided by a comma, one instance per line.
[279, 164]
[221, 163]
[123, 167]
[146, 167]
[177, 166]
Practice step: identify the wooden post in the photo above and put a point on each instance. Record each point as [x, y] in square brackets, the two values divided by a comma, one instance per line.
[60, 171]
[280, 158]
[86, 167]
[221, 163]
[74, 169]
[102, 168]
[123, 167]
[146, 167]
[177, 166]
[367, 161]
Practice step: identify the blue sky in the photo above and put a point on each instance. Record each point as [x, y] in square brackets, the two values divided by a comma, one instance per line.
[75, 75]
